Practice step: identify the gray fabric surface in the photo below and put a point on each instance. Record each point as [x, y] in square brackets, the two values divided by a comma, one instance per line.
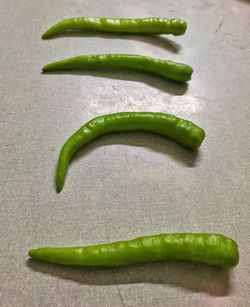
[123, 186]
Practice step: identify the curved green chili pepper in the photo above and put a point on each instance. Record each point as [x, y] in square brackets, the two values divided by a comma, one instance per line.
[182, 131]
[144, 26]
[209, 248]
[162, 68]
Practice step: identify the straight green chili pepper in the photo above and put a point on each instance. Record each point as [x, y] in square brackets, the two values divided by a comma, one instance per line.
[151, 26]
[182, 131]
[161, 68]
[209, 248]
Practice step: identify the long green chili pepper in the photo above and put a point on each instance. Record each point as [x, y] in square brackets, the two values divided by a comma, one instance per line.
[182, 131]
[209, 248]
[161, 68]
[144, 26]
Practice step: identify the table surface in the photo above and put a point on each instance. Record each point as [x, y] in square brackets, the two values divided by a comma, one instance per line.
[125, 185]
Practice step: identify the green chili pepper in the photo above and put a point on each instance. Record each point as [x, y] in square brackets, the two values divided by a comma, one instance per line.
[182, 131]
[162, 68]
[144, 26]
[209, 248]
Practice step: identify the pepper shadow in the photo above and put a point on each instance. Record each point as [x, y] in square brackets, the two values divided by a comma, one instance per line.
[246, 1]
[169, 86]
[192, 277]
[155, 40]
[153, 142]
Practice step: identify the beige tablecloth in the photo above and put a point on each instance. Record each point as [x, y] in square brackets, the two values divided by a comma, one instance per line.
[128, 185]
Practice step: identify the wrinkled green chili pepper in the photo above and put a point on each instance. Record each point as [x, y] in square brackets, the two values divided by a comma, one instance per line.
[209, 248]
[182, 131]
[161, 68]
[143, 26]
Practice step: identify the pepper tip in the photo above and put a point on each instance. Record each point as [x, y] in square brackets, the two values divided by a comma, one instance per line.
[45, 35]
[45, 68]
[31, 253]
[58, 188]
